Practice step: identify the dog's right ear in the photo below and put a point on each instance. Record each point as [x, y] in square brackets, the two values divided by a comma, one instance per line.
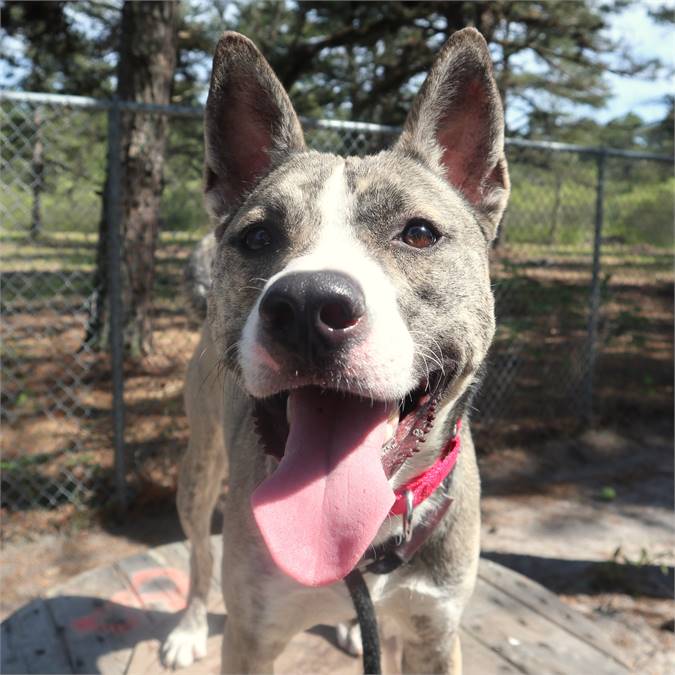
[249, 126]
[456, 126]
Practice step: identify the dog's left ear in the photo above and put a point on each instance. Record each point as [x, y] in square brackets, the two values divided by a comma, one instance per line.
[250, 126]
[456, 125]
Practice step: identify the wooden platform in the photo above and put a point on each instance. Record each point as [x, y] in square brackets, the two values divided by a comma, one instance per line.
[112, 620]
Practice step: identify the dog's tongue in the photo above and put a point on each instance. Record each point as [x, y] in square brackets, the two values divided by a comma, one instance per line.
[321, 508]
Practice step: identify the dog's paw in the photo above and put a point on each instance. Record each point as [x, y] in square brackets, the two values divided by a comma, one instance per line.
[349, 638]
[187, 641]
[183, 647]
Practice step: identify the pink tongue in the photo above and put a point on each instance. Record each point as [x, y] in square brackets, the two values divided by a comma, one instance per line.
[322, 507]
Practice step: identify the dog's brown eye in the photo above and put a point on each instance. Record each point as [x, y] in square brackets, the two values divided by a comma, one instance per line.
[256, 238]
[419, 233]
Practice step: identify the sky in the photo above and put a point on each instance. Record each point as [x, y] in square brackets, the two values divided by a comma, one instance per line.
[645, 39]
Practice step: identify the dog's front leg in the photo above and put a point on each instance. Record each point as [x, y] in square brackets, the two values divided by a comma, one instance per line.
[198, 490]
[250, 649]
[432, 650]
[199, 486]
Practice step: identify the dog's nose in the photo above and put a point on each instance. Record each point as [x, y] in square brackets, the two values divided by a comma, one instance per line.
[313, 312]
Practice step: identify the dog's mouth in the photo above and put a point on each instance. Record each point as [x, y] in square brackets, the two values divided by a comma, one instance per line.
[325, 502]
[409, 419]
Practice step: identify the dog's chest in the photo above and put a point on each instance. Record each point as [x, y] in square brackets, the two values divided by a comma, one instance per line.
[395, 595]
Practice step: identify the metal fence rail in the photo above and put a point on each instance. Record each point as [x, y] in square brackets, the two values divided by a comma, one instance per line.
[579, 270]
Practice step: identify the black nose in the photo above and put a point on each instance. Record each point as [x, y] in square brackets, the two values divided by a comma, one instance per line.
[313, 313]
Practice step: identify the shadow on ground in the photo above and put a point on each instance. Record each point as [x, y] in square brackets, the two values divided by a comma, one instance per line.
[589, 577]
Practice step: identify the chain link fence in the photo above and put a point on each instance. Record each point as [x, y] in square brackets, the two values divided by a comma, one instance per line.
[53, 387]
[582, 273]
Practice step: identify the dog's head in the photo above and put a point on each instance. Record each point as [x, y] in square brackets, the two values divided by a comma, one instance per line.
[367, 276]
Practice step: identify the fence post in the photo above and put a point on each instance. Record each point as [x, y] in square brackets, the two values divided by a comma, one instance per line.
[594, 302]
[114, 186]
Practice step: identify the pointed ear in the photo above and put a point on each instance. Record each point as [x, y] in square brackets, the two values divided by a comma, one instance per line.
[249, 126]
[456, 125]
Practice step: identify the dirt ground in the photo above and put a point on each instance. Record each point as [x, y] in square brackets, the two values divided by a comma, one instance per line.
[592, 520]
[605, 544]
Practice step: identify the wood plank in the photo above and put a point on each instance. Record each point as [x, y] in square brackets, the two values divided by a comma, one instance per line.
[172, 558]
[113, 620]
[479, 659]
[160, 579]
[528, 640]
[100, 620]
[542, 601]
[159, 587]
[146, 659]
[31, 642]
[311, 652]
[177, 555]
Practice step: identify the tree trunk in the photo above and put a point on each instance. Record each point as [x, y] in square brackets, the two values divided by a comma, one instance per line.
[37, 169]
[145, 73]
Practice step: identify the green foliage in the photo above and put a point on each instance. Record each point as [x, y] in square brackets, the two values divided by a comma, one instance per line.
[359, 59]
[182, 207]
[642, 213]
[553, 200]
[67, 45]
[629, 132]
[74, 167]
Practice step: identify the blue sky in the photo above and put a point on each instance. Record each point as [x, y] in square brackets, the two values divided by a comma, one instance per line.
[635, 32]
[645, 39]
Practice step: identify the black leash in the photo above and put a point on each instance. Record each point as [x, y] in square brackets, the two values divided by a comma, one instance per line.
[365, 613]
[385, 559]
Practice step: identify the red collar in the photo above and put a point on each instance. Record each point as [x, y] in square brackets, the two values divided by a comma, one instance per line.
[425, 483]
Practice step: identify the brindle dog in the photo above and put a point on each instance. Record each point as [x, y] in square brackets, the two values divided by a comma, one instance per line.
[349, 310]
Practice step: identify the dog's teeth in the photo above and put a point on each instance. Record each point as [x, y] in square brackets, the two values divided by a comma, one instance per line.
[392, 423]
[391, 430]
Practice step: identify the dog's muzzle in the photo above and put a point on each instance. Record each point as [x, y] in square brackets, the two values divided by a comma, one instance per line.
[313, 314]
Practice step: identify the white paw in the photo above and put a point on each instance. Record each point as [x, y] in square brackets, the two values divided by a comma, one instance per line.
[349, 638]
[184, 646]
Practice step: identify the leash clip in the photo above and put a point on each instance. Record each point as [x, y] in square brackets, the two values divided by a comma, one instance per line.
[408, 516]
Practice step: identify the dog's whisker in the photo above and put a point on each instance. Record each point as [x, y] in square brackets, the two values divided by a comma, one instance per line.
[426, 365]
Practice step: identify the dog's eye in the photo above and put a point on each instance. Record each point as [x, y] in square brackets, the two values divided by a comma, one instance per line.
[256, 237]
[419, 233]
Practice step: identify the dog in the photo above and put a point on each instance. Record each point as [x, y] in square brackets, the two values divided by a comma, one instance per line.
[348, 312]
